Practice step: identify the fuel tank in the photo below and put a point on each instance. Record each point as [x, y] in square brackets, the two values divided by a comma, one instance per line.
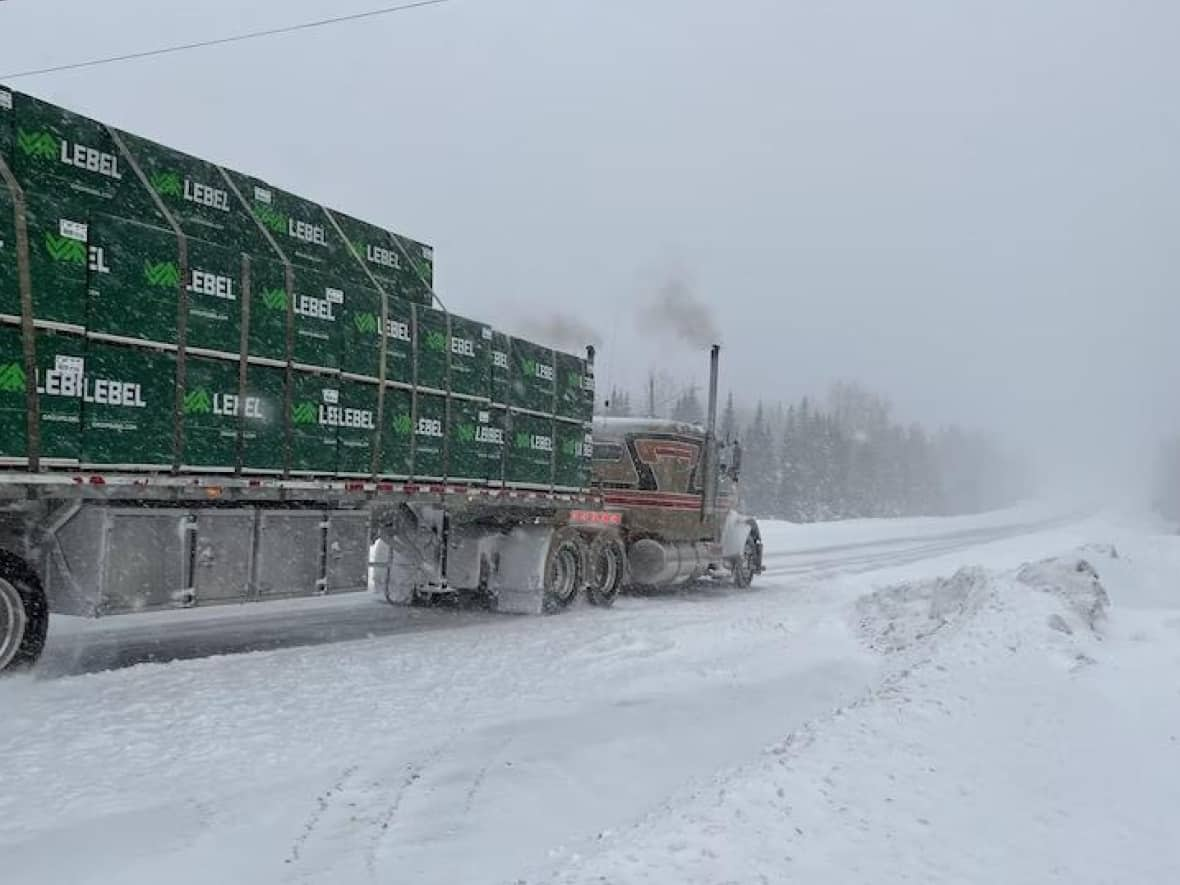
[655, 563]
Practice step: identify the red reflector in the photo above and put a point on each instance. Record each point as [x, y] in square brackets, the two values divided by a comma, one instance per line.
[598, 517]
[354, 487]
[97, 481]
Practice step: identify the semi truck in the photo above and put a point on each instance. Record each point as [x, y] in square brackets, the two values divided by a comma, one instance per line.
[213, 390]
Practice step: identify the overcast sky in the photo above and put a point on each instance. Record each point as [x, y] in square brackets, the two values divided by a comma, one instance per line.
[970, 206]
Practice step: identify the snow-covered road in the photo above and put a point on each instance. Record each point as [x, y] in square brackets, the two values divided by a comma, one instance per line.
[353, 742]
[797, 552]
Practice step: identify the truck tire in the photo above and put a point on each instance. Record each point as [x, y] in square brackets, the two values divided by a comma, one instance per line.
[24, 615]
[745, 565]
[565, 569]
[607, 570]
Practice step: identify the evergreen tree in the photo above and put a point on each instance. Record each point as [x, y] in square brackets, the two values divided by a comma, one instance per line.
[805, 463]
[805, 503]
[841, 453]
[1167, 480]
[790, 485]
[618, 404]
[727, 433]
[923, 479]
[827, 450]
[759, 466]
[688, 408]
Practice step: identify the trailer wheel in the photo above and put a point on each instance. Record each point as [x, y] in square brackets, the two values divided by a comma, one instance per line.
[565, 569]
[745, 566]
[608, 566]
[24, 616]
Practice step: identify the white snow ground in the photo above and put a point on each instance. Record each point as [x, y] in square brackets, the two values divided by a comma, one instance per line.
[851, 719]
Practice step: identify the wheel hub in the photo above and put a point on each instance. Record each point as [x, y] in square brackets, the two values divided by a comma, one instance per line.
[563, 573]
[606, 569]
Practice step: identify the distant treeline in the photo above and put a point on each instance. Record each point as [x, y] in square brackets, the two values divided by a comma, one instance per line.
[846, 458]
[1167, 480]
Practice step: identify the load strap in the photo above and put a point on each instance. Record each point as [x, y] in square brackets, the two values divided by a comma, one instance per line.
[28, 331]
[181, 301]
[289, 282]
[382, 337]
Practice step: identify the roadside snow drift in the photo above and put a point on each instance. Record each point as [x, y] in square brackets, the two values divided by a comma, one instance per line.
[1011, 740]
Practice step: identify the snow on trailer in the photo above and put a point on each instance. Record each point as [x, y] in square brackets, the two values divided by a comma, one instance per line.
[213, 390]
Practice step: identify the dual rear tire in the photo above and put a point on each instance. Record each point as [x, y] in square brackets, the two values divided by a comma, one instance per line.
[565, 569]
[595, 563]
[608, 570]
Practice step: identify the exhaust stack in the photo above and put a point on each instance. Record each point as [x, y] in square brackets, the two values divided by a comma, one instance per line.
[709, 499]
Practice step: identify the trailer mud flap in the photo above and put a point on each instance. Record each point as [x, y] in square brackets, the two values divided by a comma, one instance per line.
[517, 581]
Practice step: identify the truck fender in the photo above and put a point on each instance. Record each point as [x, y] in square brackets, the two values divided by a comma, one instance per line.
[733, 536]
[518, 580]
[406, 553]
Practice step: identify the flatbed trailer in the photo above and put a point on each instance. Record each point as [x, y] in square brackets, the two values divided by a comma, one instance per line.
[93, 544]
[215, 391]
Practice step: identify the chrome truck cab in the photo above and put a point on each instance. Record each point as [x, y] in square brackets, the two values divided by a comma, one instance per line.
[674, 487]
[655, 474]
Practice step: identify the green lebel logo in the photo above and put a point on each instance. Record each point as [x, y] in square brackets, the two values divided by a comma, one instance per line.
[275, 299]
[436, 341]
[12, 378]
[271, 218]
[304, 413]
[64, 249]
[524, 441]
[571, 448]
[164, 274]
[168, 184]
[402, 425]
[198, 402]
[528, 368]
[465, 432]
[366, 323]
[37, 145]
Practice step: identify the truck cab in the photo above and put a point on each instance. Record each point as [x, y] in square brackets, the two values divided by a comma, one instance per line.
[675, 489]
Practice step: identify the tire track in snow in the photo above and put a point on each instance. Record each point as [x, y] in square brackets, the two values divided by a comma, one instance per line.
[481, 776]
[388, 816]
[324, 802]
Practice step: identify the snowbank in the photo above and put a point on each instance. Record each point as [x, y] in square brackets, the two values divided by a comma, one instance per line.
[1011, 739]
